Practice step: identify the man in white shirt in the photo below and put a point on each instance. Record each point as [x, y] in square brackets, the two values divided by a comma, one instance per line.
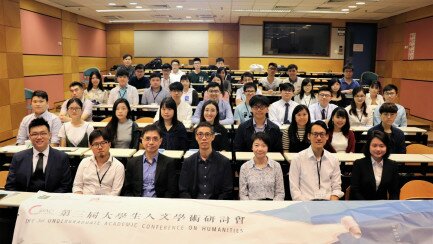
[270, 83]
[165, 79]
[100, 174]
[280, 112]
[322, 110]
[184, 110]
[40, 110]
[155, 93]
[390, 94]
[77, 90]
[314, 172]
[246, 77]
[292, 71]
[123, 90]
[176, 73]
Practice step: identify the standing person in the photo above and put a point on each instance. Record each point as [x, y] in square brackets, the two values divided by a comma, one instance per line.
[243, 110]
[152, 174]
[280, 112]
[100, 174]
[126, 65]
[40, 110]
[337, 98]
[165, 79]
[261, 178]
[341, 138]
[123, 90]
[360, 114]
[174, 136]
[373, 97]
[294, 79]
[121, 130]
[246, 77]
[322, 110]
[206, 174]
[390, 94]
[189, 94]
[139, 81]
[77, 91]
[298, 137]
[197, 75]
[347, 82]
[75, 133]
[270, 83]
[155, 93]
[314, 172]
[375, 177]
[306, 95]
[41, 168]
[95, 92]
[176, 73]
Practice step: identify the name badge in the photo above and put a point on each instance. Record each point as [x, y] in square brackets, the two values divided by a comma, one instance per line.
[187, 98]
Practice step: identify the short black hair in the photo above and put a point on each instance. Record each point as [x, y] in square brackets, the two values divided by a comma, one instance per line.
[272, 64]
[348, 66]
[292, 66]
[219, 60]
[38, 122]
[212, 84]
[126, 55]
[262, 136]
[175, 86]
[376, 84]
[41, 94]
[250, 85]
[388, 108]
[76, 83]
[287, 86]
[122, 72]
[174, 61]
[319, 123]
[184, 77]
[74, 100]
[390, 87]
[151, 127]
[247, 74]
[155, 74]
[259, 100]
[139, 66]
[324, 88]
[203, 124]
[382, 137]
[196, 59]
[96, 134]
[166, 66]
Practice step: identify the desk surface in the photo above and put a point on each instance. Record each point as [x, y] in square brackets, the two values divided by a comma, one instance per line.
[71, 151]
[245, 156]
[400, 158]
[14, 199]
[404, 129]
[116, 152]
[177, 154]
[224, 153]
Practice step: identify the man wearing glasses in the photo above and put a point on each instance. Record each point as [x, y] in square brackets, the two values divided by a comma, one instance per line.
[322, 110]
[77, 90]
[152, 174]
[165, 79]
[206, 174]
[315, 173]
[100, 174]
[390, 95]
[243, 110]
[270, 83]
[40, 168]
[139, 81]
[258, 123]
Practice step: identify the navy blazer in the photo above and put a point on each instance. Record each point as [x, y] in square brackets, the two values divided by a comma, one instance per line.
[363, 183]
[57, 172]
[243, 142]
[397, 143]
[165, 177]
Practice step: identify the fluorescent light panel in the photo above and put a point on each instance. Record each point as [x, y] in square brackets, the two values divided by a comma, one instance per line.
[263, 10]
[131, 21]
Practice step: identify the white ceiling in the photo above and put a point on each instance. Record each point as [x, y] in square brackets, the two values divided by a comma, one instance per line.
[223, 11]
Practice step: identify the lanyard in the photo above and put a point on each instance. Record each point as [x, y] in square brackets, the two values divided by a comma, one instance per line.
[319, 167]
[154, 97]
[100, 179]
[248, 111]
[122, 92]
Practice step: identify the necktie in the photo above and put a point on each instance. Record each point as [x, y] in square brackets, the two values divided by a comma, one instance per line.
[286, 114]
[40, 165]
[323, 114]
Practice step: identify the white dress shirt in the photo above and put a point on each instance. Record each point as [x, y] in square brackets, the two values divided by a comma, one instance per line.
[316, 111]
[304, 177]
[175, 77]
[297, 84]
[53, 121]
[131, 95]
[165, 83]
[307, 100]
[377, 170]
[360, 119]
[184, 114]
[277, 111]
[35, 158]
[270, 86]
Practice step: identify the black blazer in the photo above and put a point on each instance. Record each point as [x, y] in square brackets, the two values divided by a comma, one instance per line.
[57, 172]
[243, 143]
[221, 178]
[363, 183]
[165, 177]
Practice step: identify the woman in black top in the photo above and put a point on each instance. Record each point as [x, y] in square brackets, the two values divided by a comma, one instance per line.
[338, 98]
[298, 139]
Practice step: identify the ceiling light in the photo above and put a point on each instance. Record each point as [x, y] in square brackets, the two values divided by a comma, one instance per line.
[191, 20]
[138, 7]
[179, 6]
[360, 3]
[188, 17]
[345, 10]
[353, 6]
[320, 12]
[131, 21]
[111, 4]
[263, 10]
[128, 10]
[133, 3]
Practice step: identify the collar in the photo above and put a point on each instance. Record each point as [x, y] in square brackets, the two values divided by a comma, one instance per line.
[320, 106]
[43, 115]
[211, 155]
[374, 162]
[268, 163]
[254, 122]
[109, 161]
[154, 159]
[123, 88]
[345, 81]
[45, 152]
[311, 155]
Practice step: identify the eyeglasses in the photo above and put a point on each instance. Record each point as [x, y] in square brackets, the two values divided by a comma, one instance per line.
[388, 114]
[99, 144]
[154, 139]
[206, 135]
[74, 109]
[317, 135]
[214, 91]
[287, 91]
[259, 107]
[36, 135]
[249, 91]
[360, 96]
[324, 95]
[390, 94]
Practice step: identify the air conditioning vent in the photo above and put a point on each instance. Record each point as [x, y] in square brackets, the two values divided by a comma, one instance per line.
[66, 3]
[206, 16]
[112, 17]
[161, 16]
[159, 6]
[283, 7]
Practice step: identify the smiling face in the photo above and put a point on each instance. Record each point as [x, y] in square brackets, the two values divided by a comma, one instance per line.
[293, 73]
[210, 113]
[151, 141]
[39, 105]
[324, 98]
[214, 93]
[335, 87]
[40, 137]
[339, 122]
[95, 81]
[259, 111]
[217, 79]
[301, 118]
[259, 148]
[359, 98]
[377, 149]
[317, 137]
[308, 87]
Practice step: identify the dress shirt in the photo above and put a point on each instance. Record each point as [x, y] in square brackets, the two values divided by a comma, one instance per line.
[190, 97]
[149, 171]
[225, 113]
[346, 86]
[377, 170]
[379, 100]
[304, 179]
[87, 108]
[400, 120]
[204, 184]
[44, 159]
[277, 111]
[149, 96]
[131, 95]
[242, 113]
[297, 83]
[53, 121]
[97, 96]
[306, 100]
[184, 114]
[360, 119]
[165, 83]
[111, 175]
[316, 111]
[270, 86]
[241, 96]
[266, 183]
[175, 77]
[259, 129]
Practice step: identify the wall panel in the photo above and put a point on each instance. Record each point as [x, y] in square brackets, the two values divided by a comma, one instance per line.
[42, 65]
[421, 106]
[52, 84]
[91, 42]
[317, 65]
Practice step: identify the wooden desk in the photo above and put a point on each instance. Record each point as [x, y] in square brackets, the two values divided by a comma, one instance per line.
[12, 149]
[116, 152]
[14, 199]
[404, 129]
[176, 154]
[224, 153]
[73, 151]
[245, 156]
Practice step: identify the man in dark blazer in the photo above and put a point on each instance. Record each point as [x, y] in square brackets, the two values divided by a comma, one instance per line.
[152, 174]
[40, 168]
[206, 174]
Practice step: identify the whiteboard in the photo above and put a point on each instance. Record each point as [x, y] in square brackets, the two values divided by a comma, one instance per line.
[171, 44]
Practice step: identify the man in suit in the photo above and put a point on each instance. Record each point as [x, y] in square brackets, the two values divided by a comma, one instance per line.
[152, 174]
[206, 174]
[40, 168]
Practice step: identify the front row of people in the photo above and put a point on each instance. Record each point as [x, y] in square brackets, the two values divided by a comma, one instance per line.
[207, 174]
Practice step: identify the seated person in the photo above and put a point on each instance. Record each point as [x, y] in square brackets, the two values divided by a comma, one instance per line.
[280, 112]
[189, 94]
[243, 110]
[337, 97]
[298, 138]
[184, 110]
[322, 110]
[306, 95]
[152, 174]
[206, 174]
[347, 82]
[360, 114]
[261, 178]
[155, 93]
[259, 107]
[341, 138]
[390, 94]
[165, 78]
[121, 130]
[123, 90]
[100, 174]
[246, 77]
[373, 97]
[139, 81]
[270, 83]
[224, 95]
[294, 79]
[209, 114]
[126, 65]
[41, 168]
[375, 177]
[225, 78]
[225, 110]
[95, 92]
[176, 73]
[388, 113]
[197, 75]
[314, 172]
[75, 133]
[174, 136]
[77, 90]
[39, 105]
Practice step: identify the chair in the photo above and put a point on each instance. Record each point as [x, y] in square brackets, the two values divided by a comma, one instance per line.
[108, 119]
[419, 149]
[144, 120]
[368, 77]
[347, 195]
[416, 189]
[3, 178]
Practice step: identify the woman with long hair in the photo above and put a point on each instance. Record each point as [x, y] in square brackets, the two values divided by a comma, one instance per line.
[341, 138]
[373, 97]
[189, 94]
[298, 138]
[306, 96]
[75, 133]
[95, 92]
[338, 98]
[360, 113]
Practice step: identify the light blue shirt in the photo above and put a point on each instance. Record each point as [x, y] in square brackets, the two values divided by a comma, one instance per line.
[400, 120]
[149, 177]
[242, 112]
[225, 113]
[316, 111]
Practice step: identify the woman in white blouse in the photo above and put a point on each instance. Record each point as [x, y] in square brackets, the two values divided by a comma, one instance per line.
[189, 95]
[75, 133]
[95, 91]
[306, 95]
[360, 114]
[341, 138]
[373, 98]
